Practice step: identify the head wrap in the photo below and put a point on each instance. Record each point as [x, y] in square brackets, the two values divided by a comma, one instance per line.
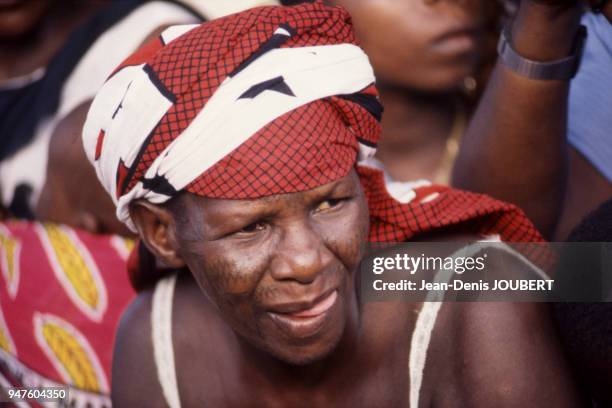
[273, 100]
[269, 101]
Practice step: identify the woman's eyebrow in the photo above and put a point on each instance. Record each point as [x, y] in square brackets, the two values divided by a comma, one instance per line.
[240, 211]
[343, 186]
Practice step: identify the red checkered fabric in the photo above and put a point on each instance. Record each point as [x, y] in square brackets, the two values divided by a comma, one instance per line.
[304, 148]
[195, 64]
[439, 208]
[435, 211]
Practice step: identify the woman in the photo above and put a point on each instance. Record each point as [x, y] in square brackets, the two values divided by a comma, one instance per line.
[231, 149]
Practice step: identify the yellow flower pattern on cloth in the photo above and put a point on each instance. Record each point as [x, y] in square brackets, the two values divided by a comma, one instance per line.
[6, 342]
[70, 353]
[75, 269]
[10, 248]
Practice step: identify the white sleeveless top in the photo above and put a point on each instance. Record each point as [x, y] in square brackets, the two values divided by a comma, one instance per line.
[161, 324]
[161, 332]
[163, 350]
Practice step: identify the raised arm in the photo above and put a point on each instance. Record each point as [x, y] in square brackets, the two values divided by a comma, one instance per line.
[515, 147]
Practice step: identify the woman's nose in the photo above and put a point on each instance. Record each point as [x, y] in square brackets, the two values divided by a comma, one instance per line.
[301, 254]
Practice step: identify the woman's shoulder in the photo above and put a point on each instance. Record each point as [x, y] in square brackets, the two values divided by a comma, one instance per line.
[504, 353]
[134, 373]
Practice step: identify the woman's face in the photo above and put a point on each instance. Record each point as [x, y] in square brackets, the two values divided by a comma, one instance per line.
[427, 45]
[280, 270]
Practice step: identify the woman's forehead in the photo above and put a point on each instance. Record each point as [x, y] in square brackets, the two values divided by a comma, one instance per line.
[219, 207]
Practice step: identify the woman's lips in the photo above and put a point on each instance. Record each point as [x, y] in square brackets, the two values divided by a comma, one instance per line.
[458, 41]
[319, 308]
[306, 323]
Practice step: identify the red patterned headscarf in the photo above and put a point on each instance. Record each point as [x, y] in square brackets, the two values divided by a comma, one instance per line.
[269, 101]
[272, 100]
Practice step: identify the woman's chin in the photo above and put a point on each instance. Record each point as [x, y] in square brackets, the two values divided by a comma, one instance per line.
[445, 79]
[302, 340]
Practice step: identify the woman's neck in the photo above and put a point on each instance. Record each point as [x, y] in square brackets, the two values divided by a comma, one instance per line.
[416, 127]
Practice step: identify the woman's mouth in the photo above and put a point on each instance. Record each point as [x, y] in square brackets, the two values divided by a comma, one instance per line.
[458, 41]
[305, 320]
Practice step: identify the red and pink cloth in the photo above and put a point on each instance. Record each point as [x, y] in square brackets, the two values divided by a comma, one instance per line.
[62, 293]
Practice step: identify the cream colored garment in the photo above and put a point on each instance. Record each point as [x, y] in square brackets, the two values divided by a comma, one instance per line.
[163, 350]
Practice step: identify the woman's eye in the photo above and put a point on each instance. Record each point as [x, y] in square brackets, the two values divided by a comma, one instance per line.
[329, 204]
[254, 227]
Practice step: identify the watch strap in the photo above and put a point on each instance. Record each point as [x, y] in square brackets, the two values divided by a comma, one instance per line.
[562, 69]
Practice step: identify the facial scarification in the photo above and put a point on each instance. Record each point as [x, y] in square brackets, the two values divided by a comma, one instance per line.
[308, 247]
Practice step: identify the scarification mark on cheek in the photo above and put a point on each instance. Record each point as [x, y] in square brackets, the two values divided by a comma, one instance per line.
[350, 241]
[225, 278]
[232, 290]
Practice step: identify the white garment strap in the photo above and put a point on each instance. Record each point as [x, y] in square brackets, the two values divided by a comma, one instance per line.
[161, 332]
[424, 326]
[426, 320]
[419, 344]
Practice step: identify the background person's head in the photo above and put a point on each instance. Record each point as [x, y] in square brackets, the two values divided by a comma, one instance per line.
[425, 45]
[72, 194]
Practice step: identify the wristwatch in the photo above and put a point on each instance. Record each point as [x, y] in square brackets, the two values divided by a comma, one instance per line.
[562, 69]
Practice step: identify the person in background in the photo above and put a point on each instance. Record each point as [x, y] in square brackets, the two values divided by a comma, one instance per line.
[431, 59]
[31, 33]
[63, 286]
[76, 63]
[556, 171]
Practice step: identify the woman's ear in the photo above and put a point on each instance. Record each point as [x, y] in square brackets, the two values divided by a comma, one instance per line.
[155, 226]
